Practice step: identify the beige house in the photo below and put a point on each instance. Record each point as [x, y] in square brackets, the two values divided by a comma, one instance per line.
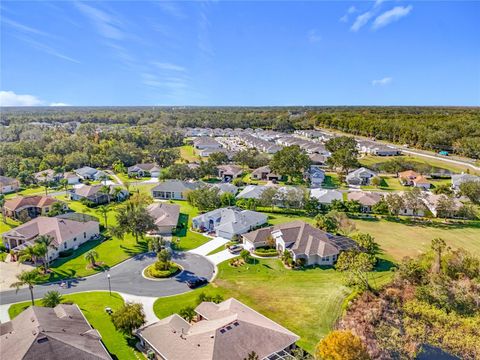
[366, 199]
[30, 206]
[55, 333]
[8, 184]
[229, 330]
[303, 241]
[229, 172]
[67, 234]
[165, 215]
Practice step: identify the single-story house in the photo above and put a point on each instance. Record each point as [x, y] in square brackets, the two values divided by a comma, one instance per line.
[95, 194]
[264, 173]
[61, 332]
[252, 192]
[360, 176]
[458, 179]
[302, 240]
[144, 170]
[32, 206]
[229, 172]
[67, 234]
[89, 173]
[72, 178]
[326, 196]
[225, 188]
[317, 159]
[48, 175]
[165, 216]
[431, 201]
[412, 178]
[422, 183]
[228, 330]
[174, 189]
[374, 148]
[366, 199]
[8, 184]
[228, 222]
[206, 142]
[315, 176]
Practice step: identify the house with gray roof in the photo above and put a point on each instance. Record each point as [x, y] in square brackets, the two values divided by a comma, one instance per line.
[174, 189]
[225, 188]
[165, 216]
[360, 176]
[303, 241]
[95, 194]
[264, 173]
[315, 176]
[89, 173]
[206, 142]
[229, 172]
[56, 333]
[144, 170]
[252, 192]
[458, 179]
[326, 196]
[8, 184]
[228, 222]
[228, 330]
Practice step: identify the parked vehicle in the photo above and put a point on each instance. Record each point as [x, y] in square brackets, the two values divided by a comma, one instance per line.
[235, 249]
[196, 282]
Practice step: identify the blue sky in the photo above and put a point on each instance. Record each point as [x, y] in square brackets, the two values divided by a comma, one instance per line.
[240, 53]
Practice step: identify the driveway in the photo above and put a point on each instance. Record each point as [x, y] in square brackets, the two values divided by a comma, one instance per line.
[209, 246]
[8, 271]
[221, 256]
[126, 278]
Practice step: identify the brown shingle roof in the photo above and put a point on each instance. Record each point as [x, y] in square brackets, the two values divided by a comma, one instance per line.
[46, 333]
[28, 201]
[164, 214]
[365, 198]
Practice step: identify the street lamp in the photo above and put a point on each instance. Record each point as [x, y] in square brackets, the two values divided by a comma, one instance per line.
[109, 285]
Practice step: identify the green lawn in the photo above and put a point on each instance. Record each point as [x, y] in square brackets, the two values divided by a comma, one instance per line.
[186, 238]
[217, 250]
[8, 224]
[187, 152]
[308, 302]
[93, 306]
[40, 190]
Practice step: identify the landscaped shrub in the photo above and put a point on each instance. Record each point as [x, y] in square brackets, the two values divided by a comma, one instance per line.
[65, 253]
[158, 271]
[266, 252]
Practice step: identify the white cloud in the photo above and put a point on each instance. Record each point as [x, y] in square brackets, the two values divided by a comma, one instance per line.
[169, 66]
[361, 20]
[106, 24]
[391, 15]
[351, 10]
[47, 49]
[382, 82]
[313, 36]
[23, 28]
[171, 8]
[378, 3]
[10, 98]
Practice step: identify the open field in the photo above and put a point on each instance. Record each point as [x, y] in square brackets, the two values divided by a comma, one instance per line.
[93, 306]
[187, 152]
[314, 296]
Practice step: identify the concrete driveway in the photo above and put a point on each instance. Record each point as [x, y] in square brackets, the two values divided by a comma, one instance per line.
[209, 246]
[221, 256]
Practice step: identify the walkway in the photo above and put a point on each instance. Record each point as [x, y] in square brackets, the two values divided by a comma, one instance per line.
[209, 246]
[147, 303]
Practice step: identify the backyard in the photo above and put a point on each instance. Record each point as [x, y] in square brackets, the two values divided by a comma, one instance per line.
[93, 306]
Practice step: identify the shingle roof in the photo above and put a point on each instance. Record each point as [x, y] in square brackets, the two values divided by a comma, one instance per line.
[326, 196]
[29, 201]
[365, 198]
[54, 334]
[164, 214]
[230, 330]
[177, 186]
[5, 180]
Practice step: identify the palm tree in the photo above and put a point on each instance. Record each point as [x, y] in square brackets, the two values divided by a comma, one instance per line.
[26, 278]
[28, 253]
[104, 210]
[116, 192]
[2, 203]
[48, 241]
[438, 245]
[105, 189]
[91, 256]
[64, 183]
[45, 184]
[52, 299]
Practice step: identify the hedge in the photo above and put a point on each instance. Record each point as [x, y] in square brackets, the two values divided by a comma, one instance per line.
[152, 271]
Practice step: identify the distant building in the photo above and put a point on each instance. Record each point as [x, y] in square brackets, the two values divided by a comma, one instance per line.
[315, 176]
[458, 179]
[252, 192]
[360, 176]
[174, 189]
[264, 173]
[229, 330]
[144, 170]
[366, 199]
[89, 173]
[225, 188]
[8, 184]
[326, 196]
[48, 175]
[229, 172]
[95, 194]
[56, 333]
[206, 142]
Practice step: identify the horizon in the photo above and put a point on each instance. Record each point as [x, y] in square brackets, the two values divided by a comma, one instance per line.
[236, 54]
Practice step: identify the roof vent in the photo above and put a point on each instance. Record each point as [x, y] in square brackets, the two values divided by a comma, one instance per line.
[42, 340]
[223, 331]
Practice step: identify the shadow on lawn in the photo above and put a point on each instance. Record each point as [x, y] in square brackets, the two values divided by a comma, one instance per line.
[138, 248]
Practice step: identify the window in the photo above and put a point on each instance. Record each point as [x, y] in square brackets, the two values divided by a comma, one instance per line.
[65, 245]
[327, 258]
[84, 235]
[74, 239]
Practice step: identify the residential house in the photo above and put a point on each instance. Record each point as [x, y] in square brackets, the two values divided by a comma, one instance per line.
[8, 184]
[302, 240]
[225, 188]
[422, 183]
[228, 222]
[48, 175]
[206, 142]
[95, 194]
[366, 199]
[144, 170]
[209, 151]
[378, 149]
[72, 178]
[56, 333]
[360, 176]
[30, 206]
[315, 176]
[318, 160]
[165, 216]
[458, 179]
[174, 189]
[326, 196]
[228, 330]
[229, 172]
[89, 173]
[264, 173]
[67, 234]
[412, 178]
[432, 201]
[252, 192]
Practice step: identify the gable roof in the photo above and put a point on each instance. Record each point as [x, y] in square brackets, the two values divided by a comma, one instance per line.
[225, 188]
[458, 179]
[165, 214]
[230, 169]
[19, 202]
[5, 180]
[252, 192]
[88, 190]
[229, 330]
[233, 219]
[51, 333]
[86, 170]
[364, 197]
[145, 167]
[177, 186]
[361, 173]
[326, 196]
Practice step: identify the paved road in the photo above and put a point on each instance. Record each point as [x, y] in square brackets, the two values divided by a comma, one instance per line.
[127, 278]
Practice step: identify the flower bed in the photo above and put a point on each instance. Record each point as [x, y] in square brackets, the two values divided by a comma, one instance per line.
[156, 271]
[266, 252]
